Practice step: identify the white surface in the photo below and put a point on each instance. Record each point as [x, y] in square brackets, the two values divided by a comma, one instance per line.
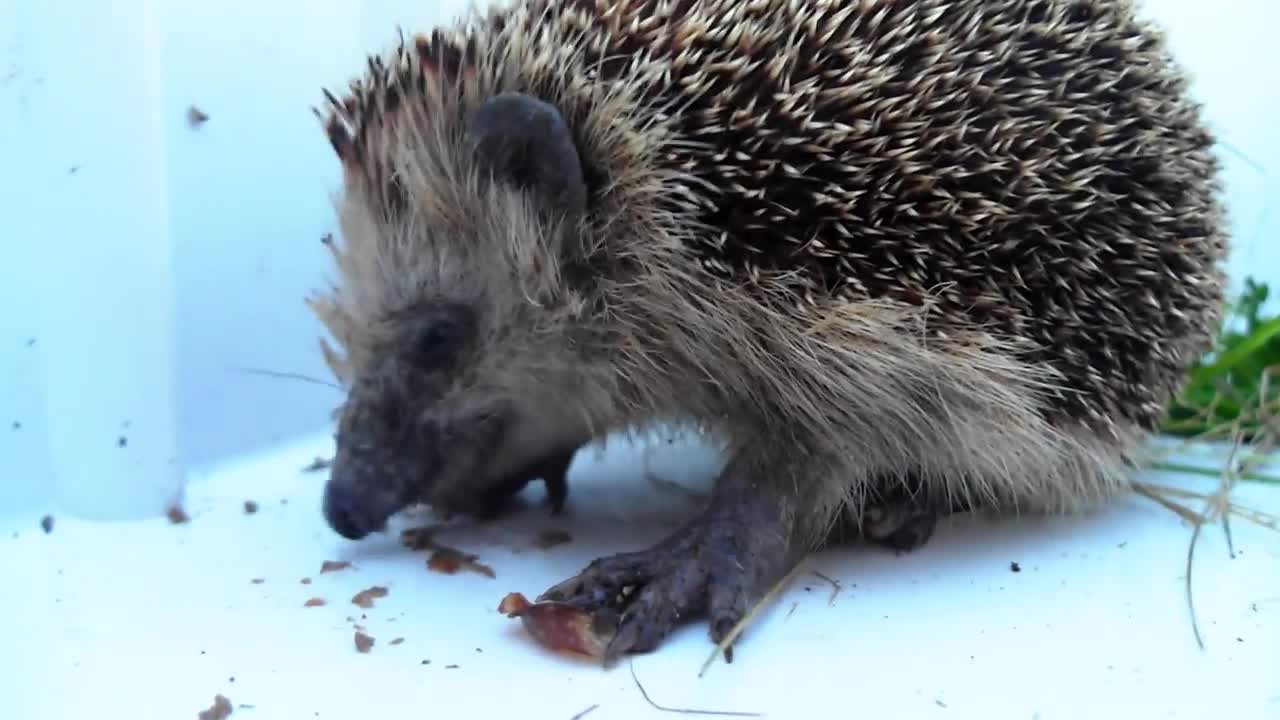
[217, 231]
[149, 262]
[147, 620]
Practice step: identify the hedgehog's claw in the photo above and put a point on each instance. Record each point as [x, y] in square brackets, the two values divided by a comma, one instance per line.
[715, 568]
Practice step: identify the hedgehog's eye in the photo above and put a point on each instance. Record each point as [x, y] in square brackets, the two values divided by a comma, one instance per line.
[436, 341]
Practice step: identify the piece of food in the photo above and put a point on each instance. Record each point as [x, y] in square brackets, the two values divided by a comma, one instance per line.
[314, 602]
[250, 507]
[177, 515]
[560, 626]
[329, 566]
[450, 560]
[196, 117]
[365, 597]
[443, 559]
[46, 523]
[364, 642]
[220, 710]
[317, 465]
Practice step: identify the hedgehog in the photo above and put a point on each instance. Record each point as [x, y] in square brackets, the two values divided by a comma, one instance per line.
[896, 258]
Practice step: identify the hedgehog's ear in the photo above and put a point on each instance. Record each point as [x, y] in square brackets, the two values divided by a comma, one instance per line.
[526, 141]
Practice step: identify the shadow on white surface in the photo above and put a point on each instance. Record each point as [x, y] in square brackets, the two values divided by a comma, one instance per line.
[150, 620]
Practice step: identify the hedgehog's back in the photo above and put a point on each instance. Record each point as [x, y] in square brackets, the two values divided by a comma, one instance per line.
[1037, 166]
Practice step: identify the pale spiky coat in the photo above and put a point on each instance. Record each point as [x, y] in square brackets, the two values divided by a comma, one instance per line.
[972, 242]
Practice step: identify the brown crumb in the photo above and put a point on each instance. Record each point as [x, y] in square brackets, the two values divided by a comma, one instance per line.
[450, 560]
[250, 507]
[177, 515]
[551, 538]
[305, 581]
[1015, 567]
[443, 558]
[333, 566]
[317, 465]
[258, 581]
[397, 641]
[364, 643]
[196, 117]
[220, 710]
[365, 597]
[314, 602]
[46, 524]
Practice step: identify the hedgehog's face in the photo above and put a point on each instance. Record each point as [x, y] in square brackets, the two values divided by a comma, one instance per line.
[456, 325]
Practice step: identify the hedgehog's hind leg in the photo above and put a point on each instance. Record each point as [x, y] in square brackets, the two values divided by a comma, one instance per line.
[716, 566]
[899, 516]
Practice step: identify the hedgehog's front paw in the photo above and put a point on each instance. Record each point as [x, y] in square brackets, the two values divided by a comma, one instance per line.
[552, 469]
[715, 568]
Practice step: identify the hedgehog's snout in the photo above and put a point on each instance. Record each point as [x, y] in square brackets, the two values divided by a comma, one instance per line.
[364, 491]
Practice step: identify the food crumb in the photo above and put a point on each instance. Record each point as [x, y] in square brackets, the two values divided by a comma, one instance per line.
[196, 117]
[317, 465]
[333, 566]
[365, 597]
[305, 581]
[449, 560]
[258, 581]
[426, 662]
[551, 538]
[46, 524]
[250, 507]
[1015, 567]
[314, 602]
[220, 710]
[122, 441]
[364, 642]
[450, 667]
[177, 515]
[397, 641]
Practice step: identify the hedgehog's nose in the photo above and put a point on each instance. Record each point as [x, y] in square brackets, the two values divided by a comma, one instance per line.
[356, 499]
[344, 511]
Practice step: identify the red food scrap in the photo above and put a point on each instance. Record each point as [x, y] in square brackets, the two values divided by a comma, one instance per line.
[333, 566]
[177, 515]
[314, 602]
[365, 597]
[558, 626]
[220, 710]
[364, 643]
[449, 560]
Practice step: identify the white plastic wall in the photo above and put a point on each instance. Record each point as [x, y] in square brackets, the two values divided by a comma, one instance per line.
[147, 265]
